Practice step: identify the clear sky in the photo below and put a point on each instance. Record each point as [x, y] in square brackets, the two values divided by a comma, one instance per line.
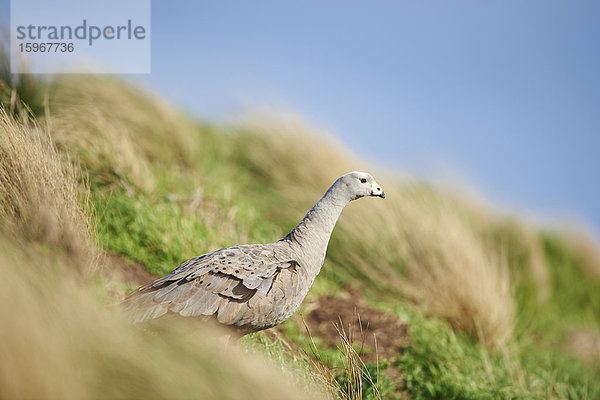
[504, 95]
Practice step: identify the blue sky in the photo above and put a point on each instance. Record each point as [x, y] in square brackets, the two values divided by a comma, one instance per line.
[502, 95]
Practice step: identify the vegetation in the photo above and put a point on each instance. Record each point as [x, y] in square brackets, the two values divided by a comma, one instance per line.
[494, 306]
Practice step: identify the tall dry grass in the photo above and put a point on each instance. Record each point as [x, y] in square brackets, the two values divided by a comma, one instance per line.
[526, 259]
[39, 193]
[587, 251]
[458, 278]
[119, 130]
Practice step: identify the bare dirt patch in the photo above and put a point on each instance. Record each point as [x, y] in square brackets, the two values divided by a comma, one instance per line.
[124, 271]
[585, 345]
[120, 272]
[380, 330]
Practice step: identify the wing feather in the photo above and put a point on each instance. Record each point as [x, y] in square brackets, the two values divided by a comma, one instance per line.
[223, 282]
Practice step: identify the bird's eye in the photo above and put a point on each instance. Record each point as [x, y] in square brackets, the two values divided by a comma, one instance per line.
[363, 180]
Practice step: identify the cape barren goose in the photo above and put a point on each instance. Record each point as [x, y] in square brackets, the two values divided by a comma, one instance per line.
[255, 286]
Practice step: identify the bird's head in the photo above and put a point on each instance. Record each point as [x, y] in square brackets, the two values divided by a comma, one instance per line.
[361, 184]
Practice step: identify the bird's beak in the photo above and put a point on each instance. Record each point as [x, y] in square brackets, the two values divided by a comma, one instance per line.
[376, 190]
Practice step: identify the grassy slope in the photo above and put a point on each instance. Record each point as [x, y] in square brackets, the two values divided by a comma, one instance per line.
[165, 189]
[58, 339]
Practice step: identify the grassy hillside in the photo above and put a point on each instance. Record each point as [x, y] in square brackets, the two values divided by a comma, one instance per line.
[493, 307]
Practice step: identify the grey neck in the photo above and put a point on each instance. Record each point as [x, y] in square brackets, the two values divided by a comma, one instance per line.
[312, 234]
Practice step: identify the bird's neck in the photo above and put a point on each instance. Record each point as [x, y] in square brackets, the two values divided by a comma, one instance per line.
[312, 234]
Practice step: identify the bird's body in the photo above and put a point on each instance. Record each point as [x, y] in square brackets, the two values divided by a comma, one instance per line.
[256, 286]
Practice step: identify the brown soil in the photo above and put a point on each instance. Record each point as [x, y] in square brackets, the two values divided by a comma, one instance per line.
[381, 333]
[122, 270]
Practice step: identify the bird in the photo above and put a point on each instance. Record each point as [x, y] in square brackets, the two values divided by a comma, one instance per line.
[253, 287]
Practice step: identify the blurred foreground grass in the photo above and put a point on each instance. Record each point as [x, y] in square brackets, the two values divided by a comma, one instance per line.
[493, 304]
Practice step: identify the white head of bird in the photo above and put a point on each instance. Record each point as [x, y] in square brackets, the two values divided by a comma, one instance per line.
[358, 184]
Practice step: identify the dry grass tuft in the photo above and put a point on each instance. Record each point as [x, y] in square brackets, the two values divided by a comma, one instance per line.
[536, 261]
[583, 245]
[349, 384]
[324, 372]
[356, 371]
[39, 193]
[118, 130]
[457, 278]
[296, 159]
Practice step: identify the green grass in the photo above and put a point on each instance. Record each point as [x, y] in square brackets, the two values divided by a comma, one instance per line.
[575, 296]
[143, 230]
[443, 365]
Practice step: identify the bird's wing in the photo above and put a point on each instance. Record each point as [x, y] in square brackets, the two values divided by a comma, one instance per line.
[221, 282]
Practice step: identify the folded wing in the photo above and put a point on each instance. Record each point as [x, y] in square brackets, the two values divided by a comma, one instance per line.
[218, 284]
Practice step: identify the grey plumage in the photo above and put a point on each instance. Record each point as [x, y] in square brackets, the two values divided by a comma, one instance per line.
[256, 286]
